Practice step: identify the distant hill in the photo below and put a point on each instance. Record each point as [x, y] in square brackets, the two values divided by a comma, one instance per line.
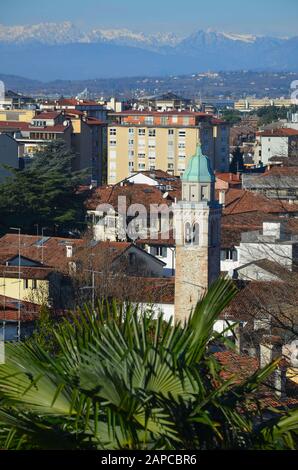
[60, 51]
[201, 85]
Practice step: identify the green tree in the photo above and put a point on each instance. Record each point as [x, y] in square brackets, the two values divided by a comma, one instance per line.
[231, 116]
[121, 379]
[45, 193]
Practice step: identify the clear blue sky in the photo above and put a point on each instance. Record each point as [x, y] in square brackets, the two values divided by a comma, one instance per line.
[276, 17]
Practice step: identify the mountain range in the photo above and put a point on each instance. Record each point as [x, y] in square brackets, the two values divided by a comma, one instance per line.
[50, 51]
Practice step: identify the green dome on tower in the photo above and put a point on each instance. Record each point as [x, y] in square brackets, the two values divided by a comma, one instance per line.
[199, 169]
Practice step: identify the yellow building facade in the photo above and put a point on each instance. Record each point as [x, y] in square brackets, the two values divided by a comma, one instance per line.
[140, 147]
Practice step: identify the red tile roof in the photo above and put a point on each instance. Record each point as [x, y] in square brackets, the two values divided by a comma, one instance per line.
[134, 193]
[25, 126]
[54, 249]
[238, 201]
[160, 113]
[47, 115]
[9, 310]
[236, 366]
[281, 132]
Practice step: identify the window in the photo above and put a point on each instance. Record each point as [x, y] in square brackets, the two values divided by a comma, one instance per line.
[152, 132]
[164, 120]
[204, 192]
[174, 119]
[171, 131]
[141, 166]
[142, 131]
[25, 284]
[113, 143]
[141, 155]
[187, 233]
[160, 251]
[131, 153]
[34, 284]
[229, 254]
[113, 131]
[130, 141]
[196, 234]
[131, 130]
[149, 120]
[181, 145]
[181, 133]
[186, 121]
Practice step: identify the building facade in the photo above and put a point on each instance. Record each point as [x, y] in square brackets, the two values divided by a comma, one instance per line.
[139, 140]
[282, 142]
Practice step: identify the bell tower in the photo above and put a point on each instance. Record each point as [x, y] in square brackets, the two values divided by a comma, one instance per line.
[197, 230]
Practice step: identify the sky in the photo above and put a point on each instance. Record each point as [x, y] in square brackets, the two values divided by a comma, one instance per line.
[182, 17]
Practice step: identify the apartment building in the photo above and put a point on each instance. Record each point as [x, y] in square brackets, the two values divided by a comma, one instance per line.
[44, 127]
[281, 142]
[143, 140]
[88, 141]
[253, 103]
[85, 135]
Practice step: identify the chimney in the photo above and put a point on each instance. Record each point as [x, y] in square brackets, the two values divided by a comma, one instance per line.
[271, 349]
[69, 251]
[222, 197]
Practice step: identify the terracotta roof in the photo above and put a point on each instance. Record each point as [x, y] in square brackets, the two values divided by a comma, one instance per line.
[54, 249]
[233, 225]
[48, 115]
[241, 367]
[94, 122]
[71, 112]
[31, 272]
[9, 310]
[160, 113]
[258, 299]
[240, 200]
[280, 132]
[134, 193]
[237, 366]
[26, 126]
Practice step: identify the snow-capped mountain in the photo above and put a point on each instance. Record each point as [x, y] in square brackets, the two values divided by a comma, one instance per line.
[43, 33]
[68, 33]
[61, 50]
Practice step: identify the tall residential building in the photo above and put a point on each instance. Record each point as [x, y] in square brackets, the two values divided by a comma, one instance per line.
[197, 220]
[143, 140]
